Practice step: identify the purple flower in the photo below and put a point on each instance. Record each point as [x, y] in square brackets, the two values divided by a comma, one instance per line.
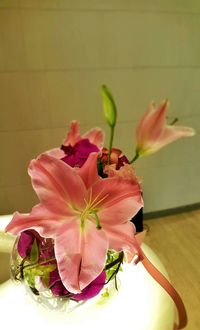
[55, 284]
[46, 250]
[25, 243]
[90, 291]
[77, 155]
[45, 245]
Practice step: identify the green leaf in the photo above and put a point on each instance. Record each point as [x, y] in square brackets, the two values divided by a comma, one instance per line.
[29, 277]
[39, 270]
[34, 255]
[109, 106]
[111, 257]
[44, 271]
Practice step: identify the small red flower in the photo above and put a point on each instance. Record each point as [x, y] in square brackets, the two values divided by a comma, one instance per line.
[116, 157]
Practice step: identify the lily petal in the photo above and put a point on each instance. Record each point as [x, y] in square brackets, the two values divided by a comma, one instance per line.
[40, 219]
[152, 123]
[56, 152]
[80, 255]
[120, 212]
[73, 136]
[88, 171]
[68, 254]
[156, 121]
[52, 179]
[171, 134]
[95, 136]
[113, 190]
[141, 127]
[121, 238]
[94, 250]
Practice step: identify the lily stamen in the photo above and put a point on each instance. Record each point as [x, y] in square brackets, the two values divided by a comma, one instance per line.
[98, 225]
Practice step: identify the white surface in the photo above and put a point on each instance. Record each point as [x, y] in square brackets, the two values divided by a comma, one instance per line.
[140, 303]
[6, 240]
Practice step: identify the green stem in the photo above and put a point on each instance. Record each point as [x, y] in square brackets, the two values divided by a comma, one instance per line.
[29, 266]
[116, 261]
[135, 157]
[19, 269]
[111, 142]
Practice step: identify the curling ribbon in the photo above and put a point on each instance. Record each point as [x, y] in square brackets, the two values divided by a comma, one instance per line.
[161, 279]
[165, 284]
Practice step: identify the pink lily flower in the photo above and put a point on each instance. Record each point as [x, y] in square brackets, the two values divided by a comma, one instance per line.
[95, 137]
[153, 133]
[84, 214]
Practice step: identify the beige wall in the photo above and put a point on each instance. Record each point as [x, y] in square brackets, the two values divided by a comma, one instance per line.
[54, 56]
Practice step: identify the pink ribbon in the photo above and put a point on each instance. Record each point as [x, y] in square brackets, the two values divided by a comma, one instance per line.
[161, 279]
[165, 284]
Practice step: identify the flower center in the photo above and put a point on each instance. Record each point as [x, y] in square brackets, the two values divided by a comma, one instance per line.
[91, 209]
[90, 213]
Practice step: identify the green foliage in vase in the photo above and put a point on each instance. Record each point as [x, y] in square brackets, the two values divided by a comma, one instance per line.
[113, 264]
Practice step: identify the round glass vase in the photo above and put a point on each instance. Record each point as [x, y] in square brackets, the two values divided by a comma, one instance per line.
[33, 263]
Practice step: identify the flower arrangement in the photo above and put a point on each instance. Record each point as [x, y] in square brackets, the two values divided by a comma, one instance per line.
[73, 243]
